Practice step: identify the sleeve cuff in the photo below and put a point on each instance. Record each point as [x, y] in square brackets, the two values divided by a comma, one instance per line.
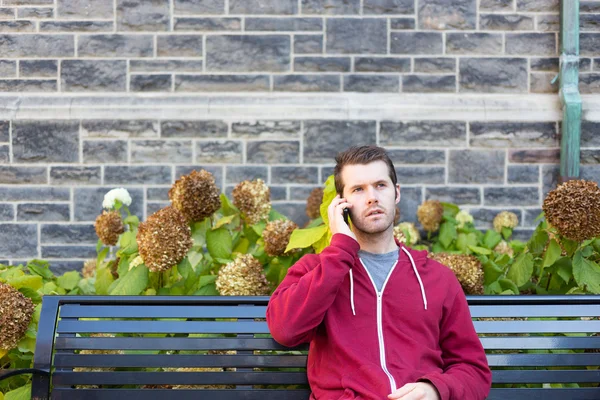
[346, 243]
[437, 381]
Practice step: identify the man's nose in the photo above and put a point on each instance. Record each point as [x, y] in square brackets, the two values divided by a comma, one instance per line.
[372, 196]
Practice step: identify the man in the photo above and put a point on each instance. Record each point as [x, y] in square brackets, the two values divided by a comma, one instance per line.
[383, 321]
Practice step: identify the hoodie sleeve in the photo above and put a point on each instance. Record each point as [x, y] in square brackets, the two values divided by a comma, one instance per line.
[300, 302]
[466, 374]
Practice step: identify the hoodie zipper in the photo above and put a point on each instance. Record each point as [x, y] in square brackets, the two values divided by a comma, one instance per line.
[380, 324]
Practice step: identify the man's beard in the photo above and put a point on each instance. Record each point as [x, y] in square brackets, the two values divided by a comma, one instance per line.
[364, 228]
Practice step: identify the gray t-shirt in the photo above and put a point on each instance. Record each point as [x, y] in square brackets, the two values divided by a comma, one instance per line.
[378, 265]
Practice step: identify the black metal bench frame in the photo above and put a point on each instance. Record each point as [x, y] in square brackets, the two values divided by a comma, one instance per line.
[242, 320]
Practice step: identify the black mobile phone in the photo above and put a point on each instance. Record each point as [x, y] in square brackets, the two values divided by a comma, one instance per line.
[346, 215]
[346, 212]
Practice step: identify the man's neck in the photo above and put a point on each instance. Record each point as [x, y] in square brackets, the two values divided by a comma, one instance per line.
[380, 243]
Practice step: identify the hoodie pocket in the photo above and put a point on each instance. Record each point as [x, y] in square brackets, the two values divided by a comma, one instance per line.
[348, 395]
[367, 382]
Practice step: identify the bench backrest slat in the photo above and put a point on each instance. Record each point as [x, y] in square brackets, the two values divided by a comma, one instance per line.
[172, 343]
[178, 361]
[161, 327]
[180, 378]
[184, 394]
[156, 311]
[533, 311]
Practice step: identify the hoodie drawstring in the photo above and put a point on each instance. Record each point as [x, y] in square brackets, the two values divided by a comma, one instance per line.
[352, 293]
[418, 277]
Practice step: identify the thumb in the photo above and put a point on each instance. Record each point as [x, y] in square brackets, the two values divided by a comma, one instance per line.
[402, 391]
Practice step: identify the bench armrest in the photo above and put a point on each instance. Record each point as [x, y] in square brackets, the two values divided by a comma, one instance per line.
[7, 373]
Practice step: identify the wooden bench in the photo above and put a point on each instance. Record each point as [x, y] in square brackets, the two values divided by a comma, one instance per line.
[156, 335]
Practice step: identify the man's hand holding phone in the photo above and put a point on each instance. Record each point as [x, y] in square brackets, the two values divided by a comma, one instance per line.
[335, 212]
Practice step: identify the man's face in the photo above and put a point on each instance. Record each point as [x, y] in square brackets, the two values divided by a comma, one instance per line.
[369, 189]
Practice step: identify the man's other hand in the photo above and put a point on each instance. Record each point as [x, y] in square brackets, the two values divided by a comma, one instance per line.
[416, 391]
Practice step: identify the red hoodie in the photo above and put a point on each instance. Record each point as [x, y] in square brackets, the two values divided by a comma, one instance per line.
[365, 344]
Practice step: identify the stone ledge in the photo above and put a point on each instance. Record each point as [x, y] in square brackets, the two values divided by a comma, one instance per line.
[295, 106]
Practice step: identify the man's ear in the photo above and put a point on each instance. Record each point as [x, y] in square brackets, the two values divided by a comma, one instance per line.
[397, 193]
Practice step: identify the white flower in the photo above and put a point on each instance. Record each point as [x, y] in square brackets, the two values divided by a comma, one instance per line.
[463, 218]
[116, 194]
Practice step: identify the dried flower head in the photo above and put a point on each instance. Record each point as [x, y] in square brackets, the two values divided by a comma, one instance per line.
[504, 248]
[430, 215]
[196, 195]
[164, 239]
[16, 311]
[277, 236]
[467, 269]
[243, 277]
[112, 196]
[313, 203]
[109, 225]
[89, 269]
[573, 208]
[463, 217]
[253, 198]
[413, 233]
[505, 219]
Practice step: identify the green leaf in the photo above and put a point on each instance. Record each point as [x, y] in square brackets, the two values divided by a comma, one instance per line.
[69, 280]
[447, 233]
[586, 273]
[491, 272]
[199, 230]
[538, 241]
[242, 246]
[464, 240]
[564, 268]
[315, 222]
[480, 250]
[133, 283]
[224, 221]
[104, 279]
[127, 243]
[31, 293]
[34, 282]
[185, 268]
[206, 280]
[329, 194]
[596, 245]
[26, 345]
[275, 215]
[450, 210]
[303, 238]
[508, 285]
[20, 393]
[552, 253]
[41, 268]
[208, 290]
[228, 207]
[133, 221]
[491, 239]
[506, 232]
[101, 255]
[259, 227]
[520, 271]
[219, 243]
[569, 245]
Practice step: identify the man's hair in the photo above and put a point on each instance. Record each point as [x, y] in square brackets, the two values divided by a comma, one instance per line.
[361, 155]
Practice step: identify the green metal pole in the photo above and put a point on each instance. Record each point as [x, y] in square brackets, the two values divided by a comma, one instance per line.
[569, 90]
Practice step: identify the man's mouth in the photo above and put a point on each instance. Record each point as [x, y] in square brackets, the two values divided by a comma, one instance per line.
[375, 212]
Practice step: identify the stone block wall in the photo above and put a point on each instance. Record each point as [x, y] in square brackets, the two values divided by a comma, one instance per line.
[182, 46]
[98, 94]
